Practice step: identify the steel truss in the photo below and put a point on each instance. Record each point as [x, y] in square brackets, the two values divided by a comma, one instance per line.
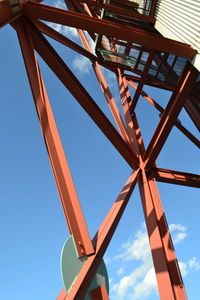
[83, 15]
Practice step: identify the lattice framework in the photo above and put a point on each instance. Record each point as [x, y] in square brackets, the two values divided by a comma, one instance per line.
[84, 15]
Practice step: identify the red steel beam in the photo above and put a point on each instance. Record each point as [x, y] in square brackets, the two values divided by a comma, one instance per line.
[57, 65]
[106, 91]
[193, 113]
[102, 240]
[8, 12]
[62, 295]
[74, 19]
[111, 102]
[150, 82]
[176, 177]
[126, 103]
[169, 280]
[63, 40]
[184, 130]
[168, 275]
[142, 80]
[120, 11]
[138, 134]
[153, 7]
[69, 199]
[99, 293]
[170, 115]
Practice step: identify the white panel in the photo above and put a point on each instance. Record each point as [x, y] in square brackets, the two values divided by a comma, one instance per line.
[180, 20]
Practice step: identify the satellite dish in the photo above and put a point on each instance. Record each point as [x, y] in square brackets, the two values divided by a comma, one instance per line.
[71, 265]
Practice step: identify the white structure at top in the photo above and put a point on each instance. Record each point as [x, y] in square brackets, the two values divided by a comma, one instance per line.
[180, 20]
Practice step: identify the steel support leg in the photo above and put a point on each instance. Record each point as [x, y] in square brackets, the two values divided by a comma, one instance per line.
[99, 293]
[168, 275]
[65, 185]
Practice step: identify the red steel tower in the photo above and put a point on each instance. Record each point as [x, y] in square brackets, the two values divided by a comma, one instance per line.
[128, 44]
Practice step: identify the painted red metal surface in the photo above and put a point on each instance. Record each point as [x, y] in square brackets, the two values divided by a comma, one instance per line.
[8, 13]
[73, 19]
[102, 239]
[177, 177]
[99, 293]
[170, 115]
[62, 295]
[168, 275]
[106, 90]
[66, 188]
[184, 130]
[121, 11]
[63, 40]
[80, 94]
[141, 83]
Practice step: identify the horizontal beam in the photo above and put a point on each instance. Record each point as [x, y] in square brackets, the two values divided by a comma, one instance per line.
[120, 11]
[150, 82]
[130, 34]
[176, 177]
[69, 80]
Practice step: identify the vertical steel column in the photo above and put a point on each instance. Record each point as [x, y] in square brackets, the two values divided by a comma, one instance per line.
[169, 279]
[65, 185]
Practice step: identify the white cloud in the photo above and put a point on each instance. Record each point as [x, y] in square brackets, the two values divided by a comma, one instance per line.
[147, 286]
[179, 237]
[141, 282]
[127, 283]
[178, 232]
[194, 265]
[69, 32]
[178, 227]
[132, 284]
[82, 64]
[189, 267]
[137, 248]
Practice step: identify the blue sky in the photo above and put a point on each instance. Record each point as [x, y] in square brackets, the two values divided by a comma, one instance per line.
[33, 228]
